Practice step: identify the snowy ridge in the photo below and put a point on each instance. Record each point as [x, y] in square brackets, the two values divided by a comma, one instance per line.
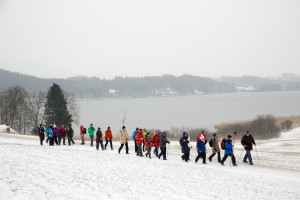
[293, 134]
[32, 171]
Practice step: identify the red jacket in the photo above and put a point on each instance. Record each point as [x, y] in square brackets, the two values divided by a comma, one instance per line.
[81, 130]
[108, 134]
[139, 137]
[54, 131]
[148, 142]
[62, 132]
[156, 140]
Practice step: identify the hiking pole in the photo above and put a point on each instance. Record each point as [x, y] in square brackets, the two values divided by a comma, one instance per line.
[256, 154]
[241, 155]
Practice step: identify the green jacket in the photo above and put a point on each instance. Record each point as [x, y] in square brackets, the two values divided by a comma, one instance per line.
[91, 131]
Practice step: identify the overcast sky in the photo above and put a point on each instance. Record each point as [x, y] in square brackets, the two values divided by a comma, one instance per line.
[108, 38]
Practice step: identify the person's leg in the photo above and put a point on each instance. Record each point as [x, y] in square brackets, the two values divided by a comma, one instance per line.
[250, 158]
[197, 158]
[106, 142]
[69, 140]
[97, 145]
[140, 151]
[135, 147]
[211, 156]
[233, 160]
[204, 158]
[121, 147]
[127, 148]
[246, 156]
[111, 145]
[161, 152]
[101, 143]
[219, 157]
[165, 153]
[224, 159]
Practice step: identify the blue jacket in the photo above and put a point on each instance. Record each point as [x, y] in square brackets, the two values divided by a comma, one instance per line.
[133, 135]
[201, 147]
[57, 131]
[228, 147]
[50, 132]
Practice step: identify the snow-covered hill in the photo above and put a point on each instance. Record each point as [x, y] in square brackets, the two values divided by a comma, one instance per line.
[31, 171]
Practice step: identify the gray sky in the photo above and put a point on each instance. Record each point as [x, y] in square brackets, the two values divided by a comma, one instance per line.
[63, 38]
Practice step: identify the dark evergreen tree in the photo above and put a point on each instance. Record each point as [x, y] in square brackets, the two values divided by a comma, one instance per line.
[56, 110]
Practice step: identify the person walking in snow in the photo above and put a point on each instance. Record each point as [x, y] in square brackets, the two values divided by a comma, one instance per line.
[108, 136]
[50, 135]
[70, 134]
[184, 143]
[82, 133]
[139, 141]
[215, 148]
[247, 141]
[124, 139]
[62, 132]
[91, 131]
[99, 140]
[54, 130]
[41, 132]
[144, 133]
[201, 148]
[148, 145]
[163, 145]
[58, 135]
[134, 140]
[228, 151]
[155, 141]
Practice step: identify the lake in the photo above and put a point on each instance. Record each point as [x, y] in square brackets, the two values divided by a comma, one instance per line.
[200, 111]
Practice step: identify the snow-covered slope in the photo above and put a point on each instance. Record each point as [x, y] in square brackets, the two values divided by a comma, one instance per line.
[31, 171]
[3, 129]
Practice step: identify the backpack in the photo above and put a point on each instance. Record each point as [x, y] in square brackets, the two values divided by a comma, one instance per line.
[84, 130]
[211, 142]
[223, 143]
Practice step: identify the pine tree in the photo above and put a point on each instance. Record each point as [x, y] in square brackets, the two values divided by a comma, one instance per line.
[56, 107]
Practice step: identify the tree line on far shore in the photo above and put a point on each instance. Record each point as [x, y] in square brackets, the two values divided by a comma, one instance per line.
[23, 111]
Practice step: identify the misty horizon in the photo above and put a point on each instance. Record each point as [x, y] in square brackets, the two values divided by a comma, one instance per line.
[132, 38]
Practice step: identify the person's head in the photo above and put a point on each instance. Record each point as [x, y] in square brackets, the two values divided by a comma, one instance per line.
[108, 128]
[229, 137]
[123, 127]
[137, 128]
[215, 135]
[184, 134]
[91, 124]
[70, 125]
[148, 134]
[247, 133]
[62, 126]
[99, 128]
[41, 125]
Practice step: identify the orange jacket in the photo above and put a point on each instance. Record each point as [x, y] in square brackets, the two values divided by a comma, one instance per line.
[108, 134]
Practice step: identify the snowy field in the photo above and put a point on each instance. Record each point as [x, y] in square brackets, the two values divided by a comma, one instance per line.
[31, 171]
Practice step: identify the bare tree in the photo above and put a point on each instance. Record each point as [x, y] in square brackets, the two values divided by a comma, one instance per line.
[73, 107]
[36, 101]
[124, 118]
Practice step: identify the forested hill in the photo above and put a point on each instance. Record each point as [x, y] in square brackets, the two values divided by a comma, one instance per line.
[166, 85]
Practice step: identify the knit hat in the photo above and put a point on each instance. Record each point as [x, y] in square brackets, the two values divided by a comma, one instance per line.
[229, 136]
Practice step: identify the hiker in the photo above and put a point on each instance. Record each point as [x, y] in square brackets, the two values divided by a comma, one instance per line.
[247, 141]
[108, 136]
[123, 139]
[184, 143]
[58, 135]
[50, 135]
[228, 151]
[134, 140]
[54, 130]
[91, 131]
[148, 145]
[155, 141]
[99, 140]
[70, 134]
[139, 141]
[62, 132]
[215, 148]
[144, 133]
[201, 149]
[41, 132]
[163, 145]
[82, 133]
